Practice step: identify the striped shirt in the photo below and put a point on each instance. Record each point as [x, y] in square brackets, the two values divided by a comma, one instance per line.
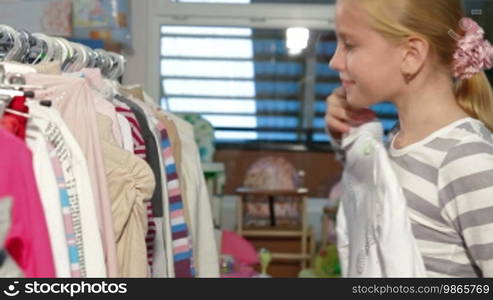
[447, 179]
[68, 217]
[70, 205]
[140, 151]
[182, 242]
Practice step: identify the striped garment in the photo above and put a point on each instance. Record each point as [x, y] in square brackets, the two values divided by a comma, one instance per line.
[55, 137]
[139, 143]
[73, 252]
[447, 180]
[181, 239]
[140, 151]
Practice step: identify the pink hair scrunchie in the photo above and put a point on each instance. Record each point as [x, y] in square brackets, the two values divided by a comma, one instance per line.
[474, 53]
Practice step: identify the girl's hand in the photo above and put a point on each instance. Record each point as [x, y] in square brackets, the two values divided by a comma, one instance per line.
[340, 117]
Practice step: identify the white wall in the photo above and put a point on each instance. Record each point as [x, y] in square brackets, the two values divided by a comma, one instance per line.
[136, 71]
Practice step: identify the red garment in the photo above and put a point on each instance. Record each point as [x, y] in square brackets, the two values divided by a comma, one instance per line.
[28, 240]
[10, 124]
[14, 123]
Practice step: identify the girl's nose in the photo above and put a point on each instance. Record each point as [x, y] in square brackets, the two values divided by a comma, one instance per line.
[337, 60]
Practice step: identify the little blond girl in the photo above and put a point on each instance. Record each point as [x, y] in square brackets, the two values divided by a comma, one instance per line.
[427, 59]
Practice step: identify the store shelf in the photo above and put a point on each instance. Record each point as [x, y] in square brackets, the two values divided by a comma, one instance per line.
[271, 233]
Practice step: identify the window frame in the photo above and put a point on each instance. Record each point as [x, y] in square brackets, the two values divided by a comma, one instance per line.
[255, 11]
[268, 16]
[166, 12]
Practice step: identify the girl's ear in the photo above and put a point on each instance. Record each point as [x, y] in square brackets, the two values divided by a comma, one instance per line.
[415, 52]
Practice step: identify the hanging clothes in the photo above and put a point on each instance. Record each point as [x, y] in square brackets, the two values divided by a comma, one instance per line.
[164, 239]
[8, 267]
[102, 105]
[198, 204]
[131, 185]
[107, 185]
[152, 154]
[139, 149]
[88, 238]
[147, 147]
[12, 122]
[127, 139]
[138, 142]
[50, 198]
[73, 98]
[181, 239]
[28, 240]
[68, 216]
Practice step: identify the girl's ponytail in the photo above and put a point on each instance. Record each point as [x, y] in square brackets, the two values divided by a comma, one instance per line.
[475, 96]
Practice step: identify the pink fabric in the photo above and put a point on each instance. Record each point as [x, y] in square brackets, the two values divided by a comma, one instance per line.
[167, 152]
[177, 213]
[27, 241]
[95, 78]
[236, 246]
[174, 192]
[180, 249]
[103, 106]
[474, 53]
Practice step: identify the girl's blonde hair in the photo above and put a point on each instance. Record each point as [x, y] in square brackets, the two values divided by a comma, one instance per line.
[437, 21]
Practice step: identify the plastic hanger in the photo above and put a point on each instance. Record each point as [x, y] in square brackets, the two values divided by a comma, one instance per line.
[6, 43]
[121, 69]
[103, 61]
[115, 66]
[25, 39]
[83, 55]
[49, 53]
[93, 58]
[59, 51]
[13, 38]
[38, 49]
[71, 63]
[66, 52]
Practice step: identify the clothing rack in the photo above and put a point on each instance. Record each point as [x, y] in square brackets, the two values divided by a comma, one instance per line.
[34, 48]
[111, 184]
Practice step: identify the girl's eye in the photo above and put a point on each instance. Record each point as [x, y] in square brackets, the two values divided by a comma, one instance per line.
[348, 46]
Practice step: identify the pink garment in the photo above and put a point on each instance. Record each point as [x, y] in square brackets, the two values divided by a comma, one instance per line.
[73, 98]
[104, 106]
[27, 241]
[238, 247]
[95, 78]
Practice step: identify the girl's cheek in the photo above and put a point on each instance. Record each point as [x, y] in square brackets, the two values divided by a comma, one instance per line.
[349, 65]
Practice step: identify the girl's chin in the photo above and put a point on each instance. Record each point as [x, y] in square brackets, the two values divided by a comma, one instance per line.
[354, 102]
